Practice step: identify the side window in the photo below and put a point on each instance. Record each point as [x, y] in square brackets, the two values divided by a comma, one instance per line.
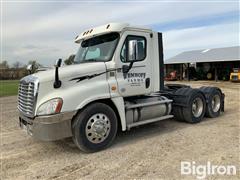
[141, 48]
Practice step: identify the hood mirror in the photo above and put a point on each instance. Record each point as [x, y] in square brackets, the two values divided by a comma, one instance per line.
[58, 63]
[30, 68]
[57, 83]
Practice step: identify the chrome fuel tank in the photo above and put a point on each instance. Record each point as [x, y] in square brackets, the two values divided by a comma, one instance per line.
[147, 108]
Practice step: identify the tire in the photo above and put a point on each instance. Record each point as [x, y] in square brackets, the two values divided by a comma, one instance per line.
[177, 111]
[188, 112]
[95, 127]
[214, 101]
[191, 105]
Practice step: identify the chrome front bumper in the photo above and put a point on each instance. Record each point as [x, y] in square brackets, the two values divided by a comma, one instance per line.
[48, 128]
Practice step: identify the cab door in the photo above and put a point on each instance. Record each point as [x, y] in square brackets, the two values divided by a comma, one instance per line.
[133, 62]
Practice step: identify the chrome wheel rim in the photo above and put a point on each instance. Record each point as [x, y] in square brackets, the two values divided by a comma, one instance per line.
[197, 107]
[98, 128]
[216, 103]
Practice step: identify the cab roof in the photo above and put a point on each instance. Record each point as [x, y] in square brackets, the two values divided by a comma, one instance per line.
[111, 27]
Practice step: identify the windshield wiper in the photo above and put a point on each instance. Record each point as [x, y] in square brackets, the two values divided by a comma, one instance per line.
[93, 60]
[89, 60]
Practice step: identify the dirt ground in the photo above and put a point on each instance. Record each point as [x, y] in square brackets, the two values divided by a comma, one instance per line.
[151, 151]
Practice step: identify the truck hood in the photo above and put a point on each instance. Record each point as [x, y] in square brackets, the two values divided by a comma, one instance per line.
[71, 71]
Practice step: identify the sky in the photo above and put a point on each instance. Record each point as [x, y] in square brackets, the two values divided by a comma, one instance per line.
[45, 30]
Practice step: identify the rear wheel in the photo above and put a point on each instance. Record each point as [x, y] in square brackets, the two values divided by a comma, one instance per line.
[191, 105]
[195, 111]
[214, 101]
[197, 107]
[94, 128]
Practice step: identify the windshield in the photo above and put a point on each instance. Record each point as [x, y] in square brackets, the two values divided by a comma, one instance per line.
[99, 48]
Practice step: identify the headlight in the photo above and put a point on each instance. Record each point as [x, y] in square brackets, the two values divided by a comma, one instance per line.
[52, 106]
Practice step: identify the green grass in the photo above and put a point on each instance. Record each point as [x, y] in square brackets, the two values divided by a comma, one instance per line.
[8, 87]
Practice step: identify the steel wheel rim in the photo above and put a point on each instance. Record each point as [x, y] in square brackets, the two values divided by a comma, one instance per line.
[97, 128]
[216, 103]
[197, 107]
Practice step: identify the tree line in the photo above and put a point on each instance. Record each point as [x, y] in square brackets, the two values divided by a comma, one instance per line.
[17, 70]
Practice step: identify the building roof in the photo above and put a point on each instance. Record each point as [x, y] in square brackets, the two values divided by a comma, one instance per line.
[207, 55]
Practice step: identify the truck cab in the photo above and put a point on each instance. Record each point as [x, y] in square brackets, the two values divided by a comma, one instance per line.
[116, 82]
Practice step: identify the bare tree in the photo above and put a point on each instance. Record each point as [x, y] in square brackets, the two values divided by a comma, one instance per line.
[17, 65]
[4, 67]
[16, 69]
[4, 64]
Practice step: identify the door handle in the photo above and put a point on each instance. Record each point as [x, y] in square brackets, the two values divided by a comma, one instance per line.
[147, 83]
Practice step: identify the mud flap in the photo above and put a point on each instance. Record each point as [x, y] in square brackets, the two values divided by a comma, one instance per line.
[222, 102]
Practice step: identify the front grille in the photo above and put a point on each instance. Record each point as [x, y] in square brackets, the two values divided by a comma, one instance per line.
[27, 97]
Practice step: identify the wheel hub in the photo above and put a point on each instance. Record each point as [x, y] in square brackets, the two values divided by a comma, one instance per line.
[98, 128]
[197, 107]
[216, 103]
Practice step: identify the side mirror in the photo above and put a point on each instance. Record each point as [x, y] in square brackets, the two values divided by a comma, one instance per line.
[131, 56]
[132, 50]
[58, 63]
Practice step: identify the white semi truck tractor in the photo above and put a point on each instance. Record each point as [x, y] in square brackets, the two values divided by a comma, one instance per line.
[116, 83]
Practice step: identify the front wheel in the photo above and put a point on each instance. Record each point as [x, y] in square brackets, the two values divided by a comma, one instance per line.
[95, 127]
